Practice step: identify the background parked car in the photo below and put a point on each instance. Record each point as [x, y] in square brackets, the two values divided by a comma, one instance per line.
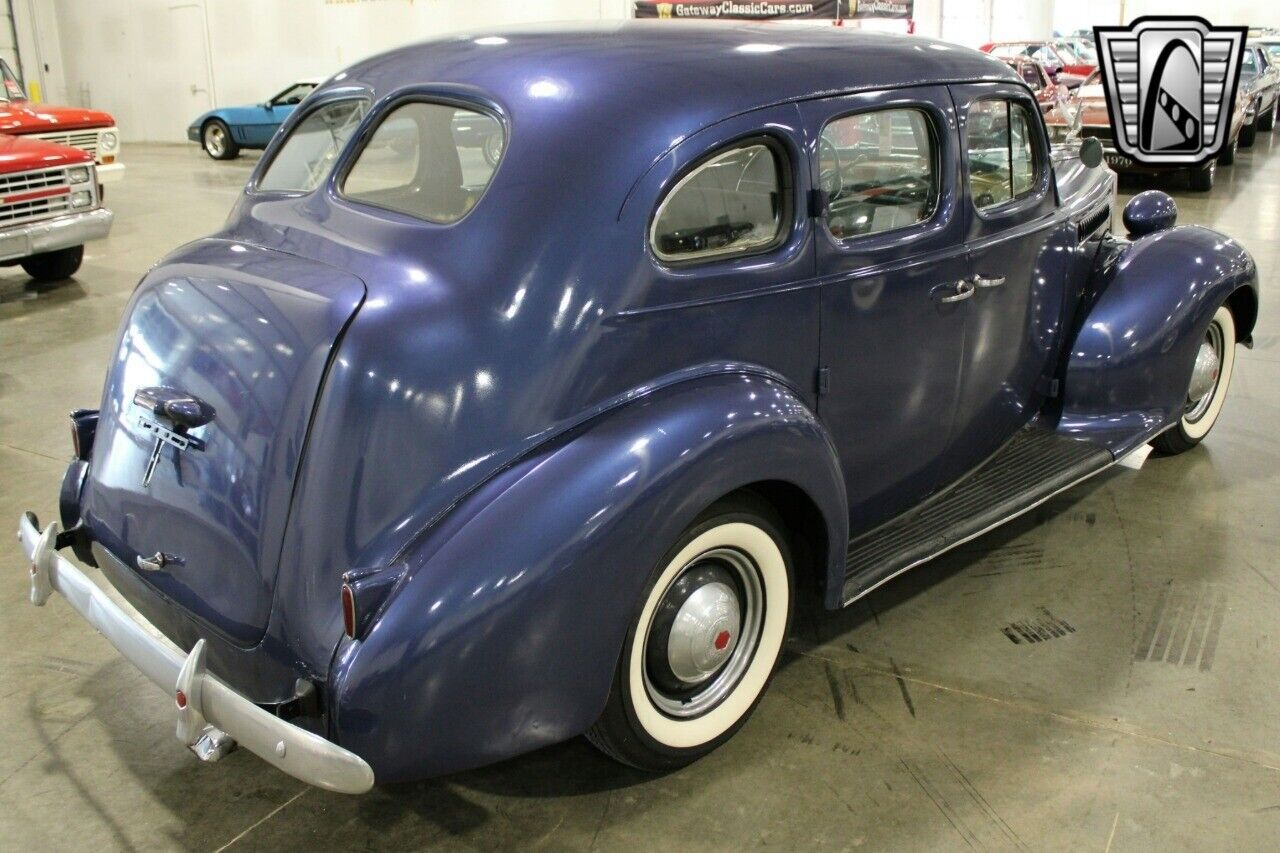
[1260, 89]
[1086, 114]
[1058, 57]
[91, 131]
[223, 132]
[1048, 92]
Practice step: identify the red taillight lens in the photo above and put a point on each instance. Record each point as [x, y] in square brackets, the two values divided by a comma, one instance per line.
[348, 611]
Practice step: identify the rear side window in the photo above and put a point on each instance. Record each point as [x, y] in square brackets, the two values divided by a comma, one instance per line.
[1002, 152]
[428, 160]
[304, 160]
[731, 204]
[879, 171]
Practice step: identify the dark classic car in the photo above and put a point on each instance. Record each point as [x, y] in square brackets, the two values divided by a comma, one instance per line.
[422, 463]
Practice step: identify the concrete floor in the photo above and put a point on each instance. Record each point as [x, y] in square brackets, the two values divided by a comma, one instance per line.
[910, 721]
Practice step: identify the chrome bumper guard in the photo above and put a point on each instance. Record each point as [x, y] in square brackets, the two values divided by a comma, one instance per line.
[49, 235]
[211, 717]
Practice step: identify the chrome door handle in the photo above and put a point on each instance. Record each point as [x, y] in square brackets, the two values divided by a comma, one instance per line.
[983, 281]
[155, 563]
[963, 290]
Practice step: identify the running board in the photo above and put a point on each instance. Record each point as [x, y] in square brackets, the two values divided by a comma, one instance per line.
[1030, 468]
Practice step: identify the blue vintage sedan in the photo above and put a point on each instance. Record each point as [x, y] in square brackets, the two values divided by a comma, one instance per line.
[425, 461]
[223, 132]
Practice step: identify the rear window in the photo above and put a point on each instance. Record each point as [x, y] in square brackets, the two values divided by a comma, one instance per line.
[304, 160]
[732, 204]
[428, 160]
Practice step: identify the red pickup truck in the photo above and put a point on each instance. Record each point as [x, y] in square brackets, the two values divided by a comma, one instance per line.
[50, 206]
[92, 131]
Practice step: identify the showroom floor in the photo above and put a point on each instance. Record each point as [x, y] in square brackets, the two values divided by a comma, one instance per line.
[922, 718]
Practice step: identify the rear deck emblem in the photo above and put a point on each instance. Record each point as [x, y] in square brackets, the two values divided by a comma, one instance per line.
[1171, 87]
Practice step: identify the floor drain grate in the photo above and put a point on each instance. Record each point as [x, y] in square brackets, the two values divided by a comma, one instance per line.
[1184, 628]
[1037, 629]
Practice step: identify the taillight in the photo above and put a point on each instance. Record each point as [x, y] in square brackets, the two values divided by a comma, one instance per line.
[348, 611]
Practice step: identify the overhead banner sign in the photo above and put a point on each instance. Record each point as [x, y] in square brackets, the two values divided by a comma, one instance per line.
[831, 10]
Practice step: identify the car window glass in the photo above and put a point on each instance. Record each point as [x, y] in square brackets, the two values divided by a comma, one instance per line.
[314, 143]
[1002, 160]
[1030, 75]
[878, 170]
[731, 204]
[293, 95]
[1274, 51]
[1247, 63]
[12, 85]
[432, 161]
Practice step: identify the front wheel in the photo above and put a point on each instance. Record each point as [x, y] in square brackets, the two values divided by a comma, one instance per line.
[1202, 179]
[1248, 134]
[54, 266]
[704, 643]
[1268, 122]
[217, 141]
[1210, 376]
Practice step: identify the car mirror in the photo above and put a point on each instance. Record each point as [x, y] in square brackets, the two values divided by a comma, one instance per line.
[1150, 211]
[1091, 152]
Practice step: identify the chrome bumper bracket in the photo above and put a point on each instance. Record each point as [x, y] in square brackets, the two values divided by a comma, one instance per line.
[212, 717]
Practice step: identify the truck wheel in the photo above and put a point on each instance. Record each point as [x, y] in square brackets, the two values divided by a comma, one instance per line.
[705, 641]
[215, 136]
[1210, 376]
[1228, 155]
[1248, 134]
[1202, 178]
[1268, 121]
[54, 266]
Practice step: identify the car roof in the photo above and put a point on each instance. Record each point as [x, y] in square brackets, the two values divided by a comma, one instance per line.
[661, 65]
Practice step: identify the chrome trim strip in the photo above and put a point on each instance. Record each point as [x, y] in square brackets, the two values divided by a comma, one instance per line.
[300, 753]
[984, 531]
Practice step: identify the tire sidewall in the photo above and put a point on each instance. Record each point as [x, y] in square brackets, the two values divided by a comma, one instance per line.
[681, 741]
[1195, 432]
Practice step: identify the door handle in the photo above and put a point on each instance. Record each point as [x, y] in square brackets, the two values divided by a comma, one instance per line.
[983, 281]
[963, 290]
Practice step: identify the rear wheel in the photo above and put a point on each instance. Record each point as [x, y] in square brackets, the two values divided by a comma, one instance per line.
[217, 141]
[54, 266]
[1210, 376]
[704, 643]
[1202, 179]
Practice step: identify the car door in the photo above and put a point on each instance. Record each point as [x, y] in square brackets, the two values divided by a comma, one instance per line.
[1018, 245]
[890, 259]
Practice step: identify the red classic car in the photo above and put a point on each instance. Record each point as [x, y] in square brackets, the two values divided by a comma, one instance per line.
[1064, 60]
[1049, 93]
[49, 207]
[92, 131]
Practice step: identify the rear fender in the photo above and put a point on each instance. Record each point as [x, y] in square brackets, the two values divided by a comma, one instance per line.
[1151, 301]
[504, 633]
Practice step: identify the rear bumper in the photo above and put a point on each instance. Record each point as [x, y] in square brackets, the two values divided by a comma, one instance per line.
[215, 717]
[23, 241]
[111, 173]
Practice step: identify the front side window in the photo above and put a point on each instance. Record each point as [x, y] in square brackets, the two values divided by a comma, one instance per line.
[878, 170]
[731, 204]
[428, 160]
[293, 95]
[307, 155]
[1002, 152]
[1248, 64]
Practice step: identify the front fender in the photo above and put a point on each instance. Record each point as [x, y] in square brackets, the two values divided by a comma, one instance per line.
[1152, 300]
[505, 631]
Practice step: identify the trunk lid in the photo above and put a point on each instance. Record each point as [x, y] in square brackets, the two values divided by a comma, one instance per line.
[250, 332]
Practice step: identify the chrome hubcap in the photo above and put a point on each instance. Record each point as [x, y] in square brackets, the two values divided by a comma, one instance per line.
[703, 633]
[1205, 374]
[214, 139]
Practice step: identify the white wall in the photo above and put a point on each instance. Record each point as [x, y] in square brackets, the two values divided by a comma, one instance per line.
[1070, 16]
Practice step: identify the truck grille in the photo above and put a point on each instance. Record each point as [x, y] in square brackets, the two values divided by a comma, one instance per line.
[16, 205]
[85, 140]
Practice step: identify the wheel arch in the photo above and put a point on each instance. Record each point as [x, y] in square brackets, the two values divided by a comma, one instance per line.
[1243, 303]
[516, 605]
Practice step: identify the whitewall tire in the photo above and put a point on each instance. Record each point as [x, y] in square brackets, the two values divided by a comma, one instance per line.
[704, 642]
[1207, 391]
